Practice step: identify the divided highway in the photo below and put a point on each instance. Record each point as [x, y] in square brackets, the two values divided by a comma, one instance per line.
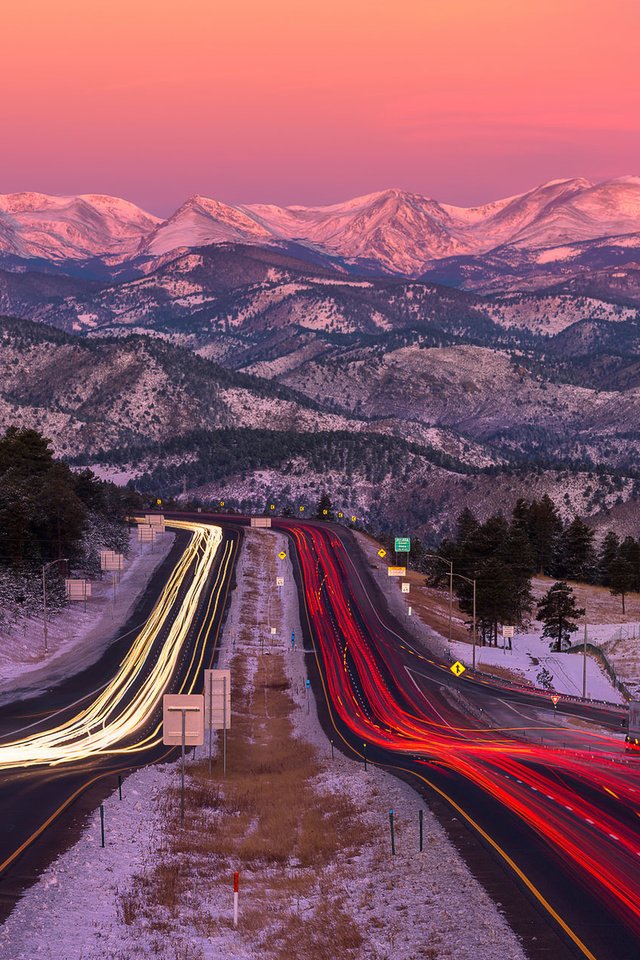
[71, 741]
[562, 818]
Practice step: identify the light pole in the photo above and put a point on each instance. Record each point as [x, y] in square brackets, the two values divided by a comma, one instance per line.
[584, 659]
[473, 584]
[436, 556]
[45, 625]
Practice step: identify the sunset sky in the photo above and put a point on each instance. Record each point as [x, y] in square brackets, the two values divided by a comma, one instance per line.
[299, 102]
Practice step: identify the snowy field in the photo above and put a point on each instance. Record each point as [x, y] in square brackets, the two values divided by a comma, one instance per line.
[76, 638]
[409, 906]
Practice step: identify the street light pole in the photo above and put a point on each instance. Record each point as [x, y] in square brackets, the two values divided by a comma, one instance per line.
[584, 659]
[475, 636]
[45, 625]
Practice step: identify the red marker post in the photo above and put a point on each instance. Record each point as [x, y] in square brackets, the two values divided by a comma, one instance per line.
[236, 884]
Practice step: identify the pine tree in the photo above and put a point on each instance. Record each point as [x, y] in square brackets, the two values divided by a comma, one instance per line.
[608, 553]
[545, 527]
[630, 551]
[621, 578]
[324, 510]
[557, 610]
[575, 555]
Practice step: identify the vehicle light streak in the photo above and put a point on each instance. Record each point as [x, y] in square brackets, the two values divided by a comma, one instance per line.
[124, 706]
[370, 690]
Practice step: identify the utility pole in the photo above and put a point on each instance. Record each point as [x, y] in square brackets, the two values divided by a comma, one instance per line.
[584, 659]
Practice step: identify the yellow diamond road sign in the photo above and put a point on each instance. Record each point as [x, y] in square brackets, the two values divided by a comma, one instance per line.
[382, 552]
[458, 668]
[282, 555]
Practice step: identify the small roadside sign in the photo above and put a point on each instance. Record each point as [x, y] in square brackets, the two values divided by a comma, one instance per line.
[403, 545]
[458, 668]
[77, 589]
[554, 700]
[301, 509]
[353, 519]
[217, 699]
[282, 555]
[340, 514]
[508, 631]
[279, 581]
[182, 708]
[382, 553]
[397, 571]
[405, 586]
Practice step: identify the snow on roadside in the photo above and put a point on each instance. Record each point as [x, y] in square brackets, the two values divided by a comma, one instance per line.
[407, 906]
[75, 639]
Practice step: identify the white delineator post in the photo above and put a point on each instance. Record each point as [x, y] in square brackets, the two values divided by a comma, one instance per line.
[236, 884]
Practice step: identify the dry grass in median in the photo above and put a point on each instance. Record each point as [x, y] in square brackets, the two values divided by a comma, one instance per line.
[267, 820]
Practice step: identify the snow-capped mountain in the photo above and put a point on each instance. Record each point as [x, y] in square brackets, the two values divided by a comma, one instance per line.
[201, 221]
[393, 231]
[34, 225]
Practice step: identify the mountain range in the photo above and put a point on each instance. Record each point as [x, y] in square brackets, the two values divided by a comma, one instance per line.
[551, 233]
[408, 356]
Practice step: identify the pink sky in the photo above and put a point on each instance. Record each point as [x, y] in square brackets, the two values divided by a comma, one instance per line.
[287, 101]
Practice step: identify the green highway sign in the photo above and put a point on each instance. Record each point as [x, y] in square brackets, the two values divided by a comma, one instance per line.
[403, 544]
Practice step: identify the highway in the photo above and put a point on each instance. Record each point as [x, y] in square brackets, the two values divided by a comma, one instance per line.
[560, 817]
[62, 751]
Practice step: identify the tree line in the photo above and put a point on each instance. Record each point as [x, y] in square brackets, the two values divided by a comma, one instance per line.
[46, 509]
[503, 553]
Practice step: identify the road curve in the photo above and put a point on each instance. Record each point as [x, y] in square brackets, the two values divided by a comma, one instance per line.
[563, 818]
[73, 756]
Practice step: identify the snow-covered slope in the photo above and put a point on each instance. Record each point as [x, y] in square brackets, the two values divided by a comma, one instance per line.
[201, 221]
[71, 228]
[395, 230]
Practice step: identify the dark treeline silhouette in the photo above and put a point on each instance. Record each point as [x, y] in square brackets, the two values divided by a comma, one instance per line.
[46, 509]
[503, 553]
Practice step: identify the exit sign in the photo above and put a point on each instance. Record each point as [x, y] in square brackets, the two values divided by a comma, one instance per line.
[403, 544]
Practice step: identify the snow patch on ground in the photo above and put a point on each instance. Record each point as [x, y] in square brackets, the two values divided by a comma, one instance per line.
[76, 638]
[407, 906]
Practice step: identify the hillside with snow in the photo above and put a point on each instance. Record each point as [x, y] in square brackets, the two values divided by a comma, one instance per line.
[393, 230]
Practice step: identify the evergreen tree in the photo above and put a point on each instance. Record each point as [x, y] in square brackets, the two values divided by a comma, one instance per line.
[608, 553]
[557, 610]
[545, 527]
[324, 510]
[575, 554]
[621, 578]
[630, 551]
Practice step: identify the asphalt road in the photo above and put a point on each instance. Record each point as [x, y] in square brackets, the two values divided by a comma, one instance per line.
[61, 752]
[551, 827]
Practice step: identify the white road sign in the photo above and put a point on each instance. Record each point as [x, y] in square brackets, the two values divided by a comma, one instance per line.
[217, 699]
[110, 560]
[77, 589]
[174, 707]
[405, 586]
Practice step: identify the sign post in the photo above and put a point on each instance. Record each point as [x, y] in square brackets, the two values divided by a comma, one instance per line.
[185, 729]
[236, 885]
[217, 690]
